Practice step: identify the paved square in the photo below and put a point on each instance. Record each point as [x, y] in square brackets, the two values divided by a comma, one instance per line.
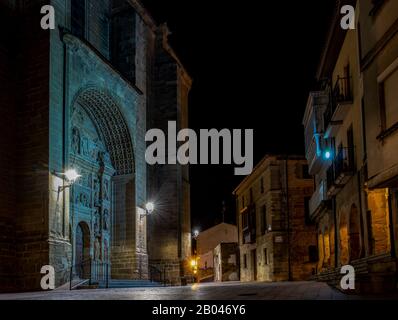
[210, 291]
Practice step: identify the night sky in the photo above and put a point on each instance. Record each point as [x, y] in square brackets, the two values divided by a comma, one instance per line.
[253, 64]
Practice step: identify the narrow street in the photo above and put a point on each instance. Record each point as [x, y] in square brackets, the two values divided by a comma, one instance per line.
[210, 291]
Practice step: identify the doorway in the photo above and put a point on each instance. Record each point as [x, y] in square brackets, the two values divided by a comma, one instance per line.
[82, 256]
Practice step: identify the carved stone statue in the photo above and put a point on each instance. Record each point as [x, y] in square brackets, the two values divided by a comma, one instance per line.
[84, 146]
[106, 190]
[75, 141]
[106, 219]
[97, 250]
[96, 223]
[97, 189]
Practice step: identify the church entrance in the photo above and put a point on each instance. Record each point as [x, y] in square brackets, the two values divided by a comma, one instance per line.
[82, 250]
[103, 198]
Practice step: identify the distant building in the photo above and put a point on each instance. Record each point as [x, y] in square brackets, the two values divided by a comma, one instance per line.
[208, 240]
[277, 241]
[226, 262]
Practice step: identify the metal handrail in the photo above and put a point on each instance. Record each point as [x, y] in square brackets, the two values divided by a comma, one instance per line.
[340, 93]
[91, 270]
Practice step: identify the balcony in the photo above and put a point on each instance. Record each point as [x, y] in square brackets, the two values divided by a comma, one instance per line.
[248, 236]
[339, 104]
[313, 129]
[319, 200]
[249, 228]
[340, 171]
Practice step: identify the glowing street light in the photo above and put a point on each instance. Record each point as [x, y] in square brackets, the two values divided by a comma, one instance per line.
[149, 207]
[70, 176]
[327, 155]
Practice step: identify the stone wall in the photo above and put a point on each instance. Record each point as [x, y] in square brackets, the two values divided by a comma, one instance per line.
[32, 154]
[7, 151]
[169, 227]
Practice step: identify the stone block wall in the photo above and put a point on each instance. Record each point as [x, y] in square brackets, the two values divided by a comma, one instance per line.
[7, 152]
[32, 154]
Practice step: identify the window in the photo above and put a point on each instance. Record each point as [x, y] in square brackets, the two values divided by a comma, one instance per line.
[262, 185]
[307, 210]
[264, 222]
[245, 220]
[389, 101]
[266, 262]
[245, 261]
[78, 18]
[313, 253]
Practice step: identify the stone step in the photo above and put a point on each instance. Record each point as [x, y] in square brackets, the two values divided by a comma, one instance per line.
[129, 284]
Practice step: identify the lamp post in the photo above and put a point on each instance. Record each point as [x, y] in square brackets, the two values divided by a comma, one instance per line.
[70, 176]
[149, 208]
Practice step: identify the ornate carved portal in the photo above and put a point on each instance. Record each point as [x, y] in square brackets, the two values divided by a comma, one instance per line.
[89, 156]
[101, 152]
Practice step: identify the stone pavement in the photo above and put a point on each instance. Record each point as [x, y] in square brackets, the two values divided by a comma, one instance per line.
[209, 291]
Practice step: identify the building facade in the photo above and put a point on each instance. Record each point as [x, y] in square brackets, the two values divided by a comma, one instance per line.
[226, 262]
[349, 153]
[277, 241]
[81, 97]
[207, 241]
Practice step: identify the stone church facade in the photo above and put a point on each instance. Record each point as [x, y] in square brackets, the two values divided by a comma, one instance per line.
[82, 97]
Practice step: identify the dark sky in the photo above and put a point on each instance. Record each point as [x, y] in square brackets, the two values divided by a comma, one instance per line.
[253, 64]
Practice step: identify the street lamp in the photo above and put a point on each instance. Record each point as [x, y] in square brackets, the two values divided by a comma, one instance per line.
[327, 155]
[149, 208]
[70, 176]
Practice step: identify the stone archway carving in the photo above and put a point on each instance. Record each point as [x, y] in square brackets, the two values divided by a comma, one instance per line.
[112, 127]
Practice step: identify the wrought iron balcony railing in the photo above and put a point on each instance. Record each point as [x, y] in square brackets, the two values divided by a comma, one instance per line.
[342, 168]
[340, 94]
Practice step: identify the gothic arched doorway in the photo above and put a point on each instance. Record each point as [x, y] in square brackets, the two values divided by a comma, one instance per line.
[82, 247]
[354, 234]
[101, 151]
